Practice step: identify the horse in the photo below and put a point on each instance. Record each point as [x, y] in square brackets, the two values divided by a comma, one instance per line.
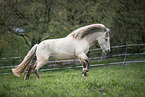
[74, 45]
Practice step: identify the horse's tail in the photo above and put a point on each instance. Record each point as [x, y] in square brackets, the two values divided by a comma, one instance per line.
[21, 68]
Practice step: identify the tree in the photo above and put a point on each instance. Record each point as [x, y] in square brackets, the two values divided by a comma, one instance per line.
[42, 19]
[32, 16]
[129, 22]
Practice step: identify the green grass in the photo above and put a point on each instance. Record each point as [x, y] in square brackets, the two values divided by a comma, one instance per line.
[105, 81]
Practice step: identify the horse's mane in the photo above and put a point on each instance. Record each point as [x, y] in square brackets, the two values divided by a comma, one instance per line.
[86, 30]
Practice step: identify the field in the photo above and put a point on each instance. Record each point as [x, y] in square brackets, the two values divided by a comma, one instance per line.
[110, 81]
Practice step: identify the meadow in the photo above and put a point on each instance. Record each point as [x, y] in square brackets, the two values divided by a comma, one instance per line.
[109, 81]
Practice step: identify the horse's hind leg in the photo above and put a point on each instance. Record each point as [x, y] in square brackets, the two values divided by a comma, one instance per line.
[40, 63]
[28, 73]
[30, 68]
[36, 73]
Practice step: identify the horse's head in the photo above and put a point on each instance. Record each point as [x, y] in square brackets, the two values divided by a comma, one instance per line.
[104, 41]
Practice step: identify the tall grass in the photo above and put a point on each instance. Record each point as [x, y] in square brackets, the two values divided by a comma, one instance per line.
[104, 81]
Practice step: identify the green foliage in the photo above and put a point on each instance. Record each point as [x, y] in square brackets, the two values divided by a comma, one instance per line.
[109, 81]
[45, 19]
[128, 22]
[6, 42]
[12, 46]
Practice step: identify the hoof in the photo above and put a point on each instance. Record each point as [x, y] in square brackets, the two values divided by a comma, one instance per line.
[26, 78]
[84, 74]
[38, 78]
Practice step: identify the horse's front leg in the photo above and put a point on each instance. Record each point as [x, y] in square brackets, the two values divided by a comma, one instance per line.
[84, 69]
[85, 63]
[88, 64]
[85, 66]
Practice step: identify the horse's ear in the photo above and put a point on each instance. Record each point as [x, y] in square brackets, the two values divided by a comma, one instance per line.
[107, 32]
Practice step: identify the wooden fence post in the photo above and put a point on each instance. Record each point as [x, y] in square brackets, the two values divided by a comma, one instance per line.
[125, 56]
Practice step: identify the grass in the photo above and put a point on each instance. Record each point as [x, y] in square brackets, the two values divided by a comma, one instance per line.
[105, 81]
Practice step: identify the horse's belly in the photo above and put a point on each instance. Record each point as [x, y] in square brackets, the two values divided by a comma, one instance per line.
[63, 56]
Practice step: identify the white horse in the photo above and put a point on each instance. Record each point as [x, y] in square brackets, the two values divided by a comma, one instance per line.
[76, 44]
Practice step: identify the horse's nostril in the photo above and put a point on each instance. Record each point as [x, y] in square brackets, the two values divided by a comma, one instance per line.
[108, 50]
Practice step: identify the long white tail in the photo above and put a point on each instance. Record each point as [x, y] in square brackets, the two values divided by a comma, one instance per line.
[21, 68]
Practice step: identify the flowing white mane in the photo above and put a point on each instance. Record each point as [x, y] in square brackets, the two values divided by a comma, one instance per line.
[83, 31]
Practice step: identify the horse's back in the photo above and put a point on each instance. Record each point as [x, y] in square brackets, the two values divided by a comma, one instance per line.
[62, 48]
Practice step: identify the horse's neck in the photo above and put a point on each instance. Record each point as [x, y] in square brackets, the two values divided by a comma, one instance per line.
[92, 38]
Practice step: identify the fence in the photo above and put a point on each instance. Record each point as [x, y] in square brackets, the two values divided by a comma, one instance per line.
[96, 56]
